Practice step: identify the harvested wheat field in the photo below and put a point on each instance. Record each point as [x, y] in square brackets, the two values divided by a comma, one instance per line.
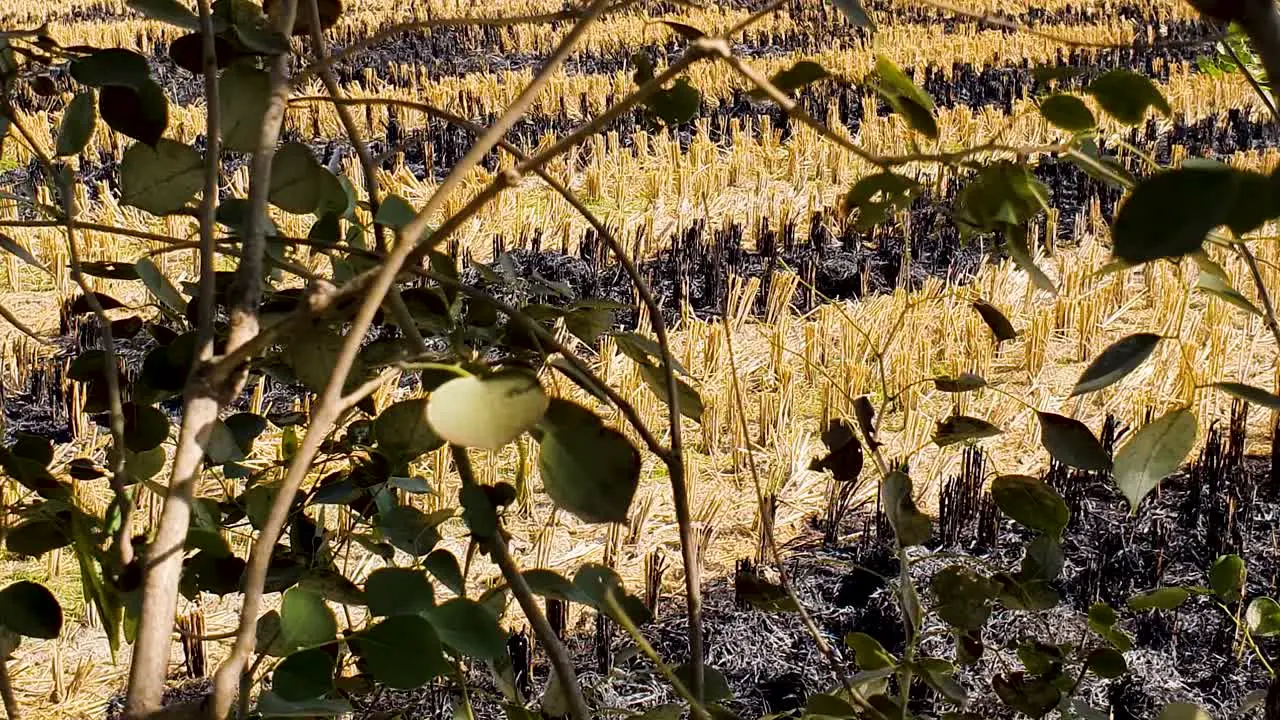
[961, 437]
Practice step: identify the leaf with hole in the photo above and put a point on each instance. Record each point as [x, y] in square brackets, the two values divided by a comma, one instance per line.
[1250, 394]
[1071, 443]
[1153, 453]
[1031, 503]
[304, 675]
[587, 468]
[469, 627]
[910, 526]
[160, 179]
[1126, 95]
[1115, 362]
[399, 591]
[30, 610]
[385, 647]
[487, 412]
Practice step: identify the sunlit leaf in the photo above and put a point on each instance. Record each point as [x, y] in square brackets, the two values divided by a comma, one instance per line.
[1154, 452]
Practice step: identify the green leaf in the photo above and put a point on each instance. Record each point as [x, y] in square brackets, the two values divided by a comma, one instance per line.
[962, 428]
[828, 706]
[1031, 503]
[304, 675]
[1221, 289]
[1106, 168]
[141, 112]
[409, 529]
[160, 179]
[29, 609]
[244, 92]
[112, 66]
[875, 198]
[1126, 95]
[548, 583]
[386, 647]
[1263, 617]
[906, 98]
[403, 433]
[1115, 362]
[938, 674]
[1068, 113]
[962, 383]
[1036, 697]
[395, 212]
[1169, 214]
[444, 567]
[36, 537]
[1107, 663]
[643, 350]
[269, 636]
[855, 12]
[296, 179]
[676, 105]
[271, 705]
[305, 619]
[1165, 598]
[803, 72]
[868, 652]
[1227, 576]
[715, 687]
[1183, 711]
[1153, 453]
[761, 594]
[487, 412]
[1002, 197]
[910, 526]
[78, 120]
[469, 627]
[167, 11]
[999, 324]
[1071, 443]
[399, 591]
[690, 401]
[13, 247]
[159, 285]
[145, 427]
[963, 597]
[587, 468]
[1015, 242]
[1250, 394]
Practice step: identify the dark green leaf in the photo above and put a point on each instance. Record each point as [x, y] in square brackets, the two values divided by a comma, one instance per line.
[410, 530]
[821, 707]
[159, 285]
[962, 383]
[305, 619]
[1221, 289]
[868, 652]
[1166, 598]
[1116, 361]
[999, 324]
[78, 120]
[1107, 663]
[36, 537]
[401, 652]
[1125, 95]
[689, 399]
[1067, 112]
[271, 705]
[677, 104]
[963, 597]
[759, 593]
[304, 675]
[962, 428]
[395, 212]
[444, 567]
[167, 11]
[906, 98]
[587, 468]
[715, 687]
[29, 609]
[296, 179]
[141, 112]
[403, 433]
[1071, 443]
[911, 526]
[548, 583]
[855, 12]
[399, 591]
[145, 427]
[1036, 697]
[34, 448]
[804, 72]
[1227, 576]
[876, 197]
[1015, 242]
[469, 627]
[1031, 503]
[1250, 394]
[160, 179]
[112, 66]
[243, 95]
[1155, 452]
